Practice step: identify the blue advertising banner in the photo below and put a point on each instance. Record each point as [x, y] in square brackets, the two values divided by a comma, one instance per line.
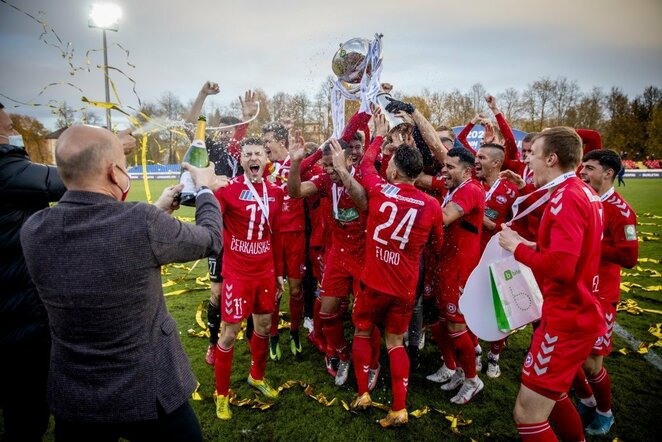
[478, 131]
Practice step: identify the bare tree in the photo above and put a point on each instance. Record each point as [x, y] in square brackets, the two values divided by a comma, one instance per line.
[510, 103]
[65, 116]
[564, 96]
[543, 92]
[477, 95]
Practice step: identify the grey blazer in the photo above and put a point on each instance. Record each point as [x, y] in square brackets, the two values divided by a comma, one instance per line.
[96, 263]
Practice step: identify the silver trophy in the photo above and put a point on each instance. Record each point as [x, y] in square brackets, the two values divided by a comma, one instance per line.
[356, 61]
[349, 62]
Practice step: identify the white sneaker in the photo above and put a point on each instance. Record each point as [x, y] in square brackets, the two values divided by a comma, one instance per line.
[470, 388]
[479, 362]
[308, 324]
[442, 375]
[343, 372]
[456, 380]
[373, 377]
[493, 370]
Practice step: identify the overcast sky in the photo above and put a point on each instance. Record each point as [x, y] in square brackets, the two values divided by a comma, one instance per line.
[287, 45]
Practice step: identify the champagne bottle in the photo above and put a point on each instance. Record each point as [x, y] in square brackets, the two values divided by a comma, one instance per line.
[196, 155]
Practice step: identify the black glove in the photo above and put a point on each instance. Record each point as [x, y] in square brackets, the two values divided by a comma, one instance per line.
[396, 105]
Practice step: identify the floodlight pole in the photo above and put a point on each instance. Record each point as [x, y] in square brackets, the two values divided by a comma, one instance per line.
[106, 79]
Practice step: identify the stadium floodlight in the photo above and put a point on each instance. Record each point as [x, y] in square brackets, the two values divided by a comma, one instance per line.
[105, 16]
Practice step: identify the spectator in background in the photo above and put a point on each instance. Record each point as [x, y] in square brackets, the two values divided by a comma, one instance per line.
[25, 188]
[118, 368]
[620, 175]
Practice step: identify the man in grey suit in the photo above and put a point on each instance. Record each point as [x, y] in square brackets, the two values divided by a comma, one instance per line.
[118, 368]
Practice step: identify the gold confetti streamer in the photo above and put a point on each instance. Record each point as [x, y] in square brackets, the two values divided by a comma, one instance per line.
[196, 396]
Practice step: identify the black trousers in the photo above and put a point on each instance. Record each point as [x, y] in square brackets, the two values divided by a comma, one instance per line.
[181, 425]
[23, 377]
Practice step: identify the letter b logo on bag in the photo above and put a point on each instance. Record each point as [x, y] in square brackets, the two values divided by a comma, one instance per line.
[508, 275]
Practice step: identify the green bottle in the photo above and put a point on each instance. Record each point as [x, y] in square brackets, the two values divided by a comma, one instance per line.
[196, 155]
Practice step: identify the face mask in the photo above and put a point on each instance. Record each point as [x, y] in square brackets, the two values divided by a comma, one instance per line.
[16, 140]
[125, 192]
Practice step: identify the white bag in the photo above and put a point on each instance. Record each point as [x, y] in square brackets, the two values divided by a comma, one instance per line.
[516, 295]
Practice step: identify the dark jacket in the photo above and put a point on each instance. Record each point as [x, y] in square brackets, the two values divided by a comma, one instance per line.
[116, 353]
[25, 188]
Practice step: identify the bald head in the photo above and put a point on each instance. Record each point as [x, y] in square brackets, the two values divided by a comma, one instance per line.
[83, 153]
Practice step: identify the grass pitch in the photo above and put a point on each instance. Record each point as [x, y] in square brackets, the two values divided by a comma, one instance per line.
[298, 416]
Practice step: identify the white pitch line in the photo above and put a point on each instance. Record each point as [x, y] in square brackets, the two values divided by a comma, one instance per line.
[634, 343]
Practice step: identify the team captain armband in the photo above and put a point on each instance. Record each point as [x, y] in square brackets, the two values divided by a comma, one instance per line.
[630, 232]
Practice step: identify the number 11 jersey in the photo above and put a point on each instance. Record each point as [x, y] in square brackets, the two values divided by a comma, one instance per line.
[247, 234]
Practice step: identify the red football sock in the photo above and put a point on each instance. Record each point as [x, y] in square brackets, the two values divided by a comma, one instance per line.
[566, 420]
[318, 331]
[222, 369]
[259, 351]
[335, 337]
[399, 376]
[540, 432]
[496, 347]
[444, 343]
[601, 386]
[361, 356]
[376, 342]
[296, 309]
[465, 348]
[580, 384]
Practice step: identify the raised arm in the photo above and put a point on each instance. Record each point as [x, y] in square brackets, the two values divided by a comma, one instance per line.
[209, 88]
[591, 139]
[430, 136]
[367, 165]
[462, 136]
[353, 188]
[295, 187]
[510, 145]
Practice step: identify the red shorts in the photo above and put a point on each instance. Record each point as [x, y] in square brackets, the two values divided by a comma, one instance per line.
[372, 307]
[553, 360]
[451, 285]
[242, 297]
[341, 276]
[294, 254]
[602, 346]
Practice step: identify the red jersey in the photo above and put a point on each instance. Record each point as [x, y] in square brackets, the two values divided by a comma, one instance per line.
[347, 223]
[572, 224]
[462, 246]
[293, 215]
[401, 219]
[248, 236]
[499, 198]
[619, 233]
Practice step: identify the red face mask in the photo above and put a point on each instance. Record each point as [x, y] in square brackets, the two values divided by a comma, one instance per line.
[125, 192]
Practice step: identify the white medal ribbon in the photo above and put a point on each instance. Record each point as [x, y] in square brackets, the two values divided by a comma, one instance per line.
[337, 194]
[526, 172]
[557, 181]
[232, 162]
[263, 202]
[489, 193]
[449, 196]
[609, 193]
[279, 166]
